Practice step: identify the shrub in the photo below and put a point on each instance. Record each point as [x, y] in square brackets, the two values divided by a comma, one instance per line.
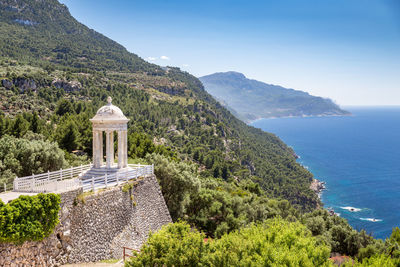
[174, 245]
[29, 218]
[275, 242]
[378, 260]
[22, 157]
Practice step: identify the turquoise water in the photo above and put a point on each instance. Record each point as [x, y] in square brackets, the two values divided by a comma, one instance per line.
[357, 156]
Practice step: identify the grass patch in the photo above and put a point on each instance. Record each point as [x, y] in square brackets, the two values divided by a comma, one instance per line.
[82, 196]
[110, 261]
[130, 184]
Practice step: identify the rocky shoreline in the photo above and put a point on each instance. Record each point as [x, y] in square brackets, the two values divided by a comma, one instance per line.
[317, 186]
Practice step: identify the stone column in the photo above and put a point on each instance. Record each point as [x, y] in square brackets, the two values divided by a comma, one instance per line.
[95, 151]
[101, 147]
[97, 148]
[112, 147]
[125, 149]
[120, 152]
[109, 149]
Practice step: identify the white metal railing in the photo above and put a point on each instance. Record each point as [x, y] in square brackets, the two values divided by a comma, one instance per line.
[68, 179]
[7, 186]
[135, 171]
[50, 181]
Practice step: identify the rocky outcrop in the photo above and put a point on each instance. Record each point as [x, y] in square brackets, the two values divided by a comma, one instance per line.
[171, 90]
[6, 83]
[25, 84]
[317, 186]
[22, 83]
[95, 226]
[68, 86]
[29, 84]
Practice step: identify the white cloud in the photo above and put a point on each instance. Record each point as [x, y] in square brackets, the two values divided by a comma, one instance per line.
[164, 58]
[185, 65]
[151, 58]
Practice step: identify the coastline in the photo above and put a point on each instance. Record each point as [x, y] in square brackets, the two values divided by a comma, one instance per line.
[318, 187]
[329, 148]
[249, 122]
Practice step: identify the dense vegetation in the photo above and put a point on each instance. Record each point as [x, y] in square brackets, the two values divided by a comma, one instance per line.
[217, 207]
[26, 156]
[44, 30]
[29, 218]
[252, 99]
[63, 71]
[214, 205]
[196, 128]
[276, 242]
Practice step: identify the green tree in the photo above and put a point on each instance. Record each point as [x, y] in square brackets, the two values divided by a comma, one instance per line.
[22, 157]
[393, 243]
[177, 180]
[69, 136]
[378, 260]
[20, 127]
[64, 107]
[36, 123]
[174, 245]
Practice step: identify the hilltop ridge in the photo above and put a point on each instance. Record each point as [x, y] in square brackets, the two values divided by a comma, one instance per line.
[44, 31]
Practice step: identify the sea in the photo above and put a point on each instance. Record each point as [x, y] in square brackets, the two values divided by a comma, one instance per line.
[357, 156]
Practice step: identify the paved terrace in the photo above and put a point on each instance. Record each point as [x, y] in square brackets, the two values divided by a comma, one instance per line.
[84, 176]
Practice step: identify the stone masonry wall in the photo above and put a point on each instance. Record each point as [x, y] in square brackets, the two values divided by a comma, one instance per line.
[95, 226]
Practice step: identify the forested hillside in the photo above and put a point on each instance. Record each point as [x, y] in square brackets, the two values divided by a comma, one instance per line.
[44, 30]
[55, 66]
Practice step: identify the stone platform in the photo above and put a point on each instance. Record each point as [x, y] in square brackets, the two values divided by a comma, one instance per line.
[10, 195]
[97, 172]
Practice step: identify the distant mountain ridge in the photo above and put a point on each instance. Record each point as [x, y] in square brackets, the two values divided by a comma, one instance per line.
[251, 99]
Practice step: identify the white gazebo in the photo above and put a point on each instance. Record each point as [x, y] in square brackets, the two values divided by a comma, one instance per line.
[108, 119]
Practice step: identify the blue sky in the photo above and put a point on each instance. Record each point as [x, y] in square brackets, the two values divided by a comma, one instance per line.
[347, 50]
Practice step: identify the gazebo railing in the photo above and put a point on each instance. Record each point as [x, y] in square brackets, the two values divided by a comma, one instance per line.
[68, 179]
[7, 186]
[63, 179]
[107, 180]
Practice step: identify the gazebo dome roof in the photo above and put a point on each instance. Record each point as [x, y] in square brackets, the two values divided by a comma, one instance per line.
[109, 113]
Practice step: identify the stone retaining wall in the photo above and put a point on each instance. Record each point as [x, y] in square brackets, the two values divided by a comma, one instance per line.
[95, 226]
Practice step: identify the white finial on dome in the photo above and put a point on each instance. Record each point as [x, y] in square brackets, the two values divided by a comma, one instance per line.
[110, 113]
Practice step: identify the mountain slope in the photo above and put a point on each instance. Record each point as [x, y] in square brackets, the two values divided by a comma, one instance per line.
[44, 30]
[47, 58]
[252, 99]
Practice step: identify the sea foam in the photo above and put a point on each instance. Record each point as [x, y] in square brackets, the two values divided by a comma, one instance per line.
[371, 219]
[352, 209]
